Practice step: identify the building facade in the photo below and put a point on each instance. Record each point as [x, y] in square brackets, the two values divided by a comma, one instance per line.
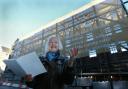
[100, 26]
[4, 54]
[98, 30]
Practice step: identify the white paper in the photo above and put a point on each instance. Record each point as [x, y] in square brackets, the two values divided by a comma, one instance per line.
[27, 64]
[15, 67]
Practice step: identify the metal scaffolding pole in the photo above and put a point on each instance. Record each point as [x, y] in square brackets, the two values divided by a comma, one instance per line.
[122, 3]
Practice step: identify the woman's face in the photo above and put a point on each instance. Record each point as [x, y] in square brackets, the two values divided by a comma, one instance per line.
[53, 44]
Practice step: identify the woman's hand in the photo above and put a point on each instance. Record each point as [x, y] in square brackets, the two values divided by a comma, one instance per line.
[70, 63]
[28, 77]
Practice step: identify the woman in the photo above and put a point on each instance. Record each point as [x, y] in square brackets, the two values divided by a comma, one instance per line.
[59, 71]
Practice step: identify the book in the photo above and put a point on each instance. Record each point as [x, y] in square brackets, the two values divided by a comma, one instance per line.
[27, 64]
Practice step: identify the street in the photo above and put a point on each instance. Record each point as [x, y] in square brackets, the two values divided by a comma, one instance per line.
[6, 87]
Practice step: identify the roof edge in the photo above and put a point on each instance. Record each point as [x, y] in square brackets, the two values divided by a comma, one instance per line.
[74, 12]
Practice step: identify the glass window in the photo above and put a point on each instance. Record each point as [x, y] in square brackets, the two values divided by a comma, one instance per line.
[108, 31]
[67, 33]
[123, 49]
[92, 53]
[113, 49]
[82, 25]
[124, 46]
[117, 28]
[68, 41]
[89, 23]
[114, 15]
[89, 36]
[68, 45]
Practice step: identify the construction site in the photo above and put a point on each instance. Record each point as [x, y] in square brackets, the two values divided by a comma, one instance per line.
[98, 31]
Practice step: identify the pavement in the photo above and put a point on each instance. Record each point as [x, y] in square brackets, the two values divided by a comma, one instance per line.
[8, 85]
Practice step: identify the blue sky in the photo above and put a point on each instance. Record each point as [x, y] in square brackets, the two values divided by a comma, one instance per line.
[21, 17]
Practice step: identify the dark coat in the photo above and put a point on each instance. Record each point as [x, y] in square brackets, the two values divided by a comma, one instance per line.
[55, 78]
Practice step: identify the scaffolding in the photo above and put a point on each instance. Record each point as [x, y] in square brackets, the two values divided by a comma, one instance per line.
[98, 30]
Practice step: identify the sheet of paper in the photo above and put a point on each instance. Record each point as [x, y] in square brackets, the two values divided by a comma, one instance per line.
[15, 67]
[27, 64]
